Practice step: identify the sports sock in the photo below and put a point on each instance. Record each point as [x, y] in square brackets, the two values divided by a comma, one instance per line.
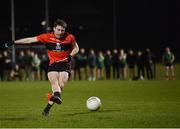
[50, 102]
[57, 94]
[49, 105]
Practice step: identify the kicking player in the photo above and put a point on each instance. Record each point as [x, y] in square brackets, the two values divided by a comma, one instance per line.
[61, 47]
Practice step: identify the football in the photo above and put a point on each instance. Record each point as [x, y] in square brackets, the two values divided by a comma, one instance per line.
[93, 103]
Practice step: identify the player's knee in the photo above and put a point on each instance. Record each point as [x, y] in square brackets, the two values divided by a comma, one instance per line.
[61, 85]
[65, 79]
[54, 82]
[62, 82]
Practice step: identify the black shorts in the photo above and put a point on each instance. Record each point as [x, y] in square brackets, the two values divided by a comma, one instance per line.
[168, 64]
[60, 67]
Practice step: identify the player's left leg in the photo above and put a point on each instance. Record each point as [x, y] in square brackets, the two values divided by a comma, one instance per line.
[63, 78]
[172, 72]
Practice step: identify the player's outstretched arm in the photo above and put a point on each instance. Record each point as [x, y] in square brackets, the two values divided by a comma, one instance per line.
[26, 40]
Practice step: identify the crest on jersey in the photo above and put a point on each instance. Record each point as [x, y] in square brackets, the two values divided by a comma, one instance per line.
[58, 46]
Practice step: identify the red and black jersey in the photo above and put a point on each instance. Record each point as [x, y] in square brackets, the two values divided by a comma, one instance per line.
[57, 49]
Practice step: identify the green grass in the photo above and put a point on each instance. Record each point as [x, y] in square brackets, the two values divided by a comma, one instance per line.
[124, 104]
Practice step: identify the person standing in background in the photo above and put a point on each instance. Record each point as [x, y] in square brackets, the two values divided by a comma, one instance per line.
[92, 65]
[168, 59]
[107, 64]
[100, 65]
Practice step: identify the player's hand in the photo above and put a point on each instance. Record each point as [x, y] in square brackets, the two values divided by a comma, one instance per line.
[69, 58]
[7, 44]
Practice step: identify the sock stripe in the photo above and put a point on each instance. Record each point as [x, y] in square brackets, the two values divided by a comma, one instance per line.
[50, 102]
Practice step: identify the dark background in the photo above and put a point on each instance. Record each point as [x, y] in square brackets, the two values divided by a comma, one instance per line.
[101, 24]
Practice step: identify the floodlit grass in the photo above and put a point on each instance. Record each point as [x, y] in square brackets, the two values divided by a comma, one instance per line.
[124, 104]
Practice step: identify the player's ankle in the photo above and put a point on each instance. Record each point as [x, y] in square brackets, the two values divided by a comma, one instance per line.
[57, 94]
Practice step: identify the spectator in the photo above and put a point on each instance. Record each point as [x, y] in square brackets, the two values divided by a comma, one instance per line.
[21, 64]
[100, 65]
[122, 64]
[107, 64]
[8, 66]
[115, 64]
[28, 65]
[2, 66]
[35, 66]
[131, 60]
[83, 59]
[15, 73]
[140, 65]
[149, 64]
[168, 60]
[92, 65]
[44, 67]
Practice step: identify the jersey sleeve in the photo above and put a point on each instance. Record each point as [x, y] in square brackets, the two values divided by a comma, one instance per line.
[42, 38]
[73, 40]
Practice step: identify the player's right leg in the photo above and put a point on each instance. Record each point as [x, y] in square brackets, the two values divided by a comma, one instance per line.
[172, 72]
[55, 97]
[54, 80]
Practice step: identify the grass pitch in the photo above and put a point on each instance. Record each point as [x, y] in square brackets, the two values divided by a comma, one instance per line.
[141, 104]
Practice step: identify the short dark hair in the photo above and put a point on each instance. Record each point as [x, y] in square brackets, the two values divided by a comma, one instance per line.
[60, 23]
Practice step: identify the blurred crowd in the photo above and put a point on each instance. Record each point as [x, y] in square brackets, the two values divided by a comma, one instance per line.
[29, 65]
[91, 65]
[115, 64]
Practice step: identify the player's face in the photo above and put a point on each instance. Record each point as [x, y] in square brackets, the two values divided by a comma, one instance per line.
[59, 31]
[167, 49]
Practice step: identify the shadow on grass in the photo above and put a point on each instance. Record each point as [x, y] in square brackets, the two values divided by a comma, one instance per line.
[15, 118]
[88, 112]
